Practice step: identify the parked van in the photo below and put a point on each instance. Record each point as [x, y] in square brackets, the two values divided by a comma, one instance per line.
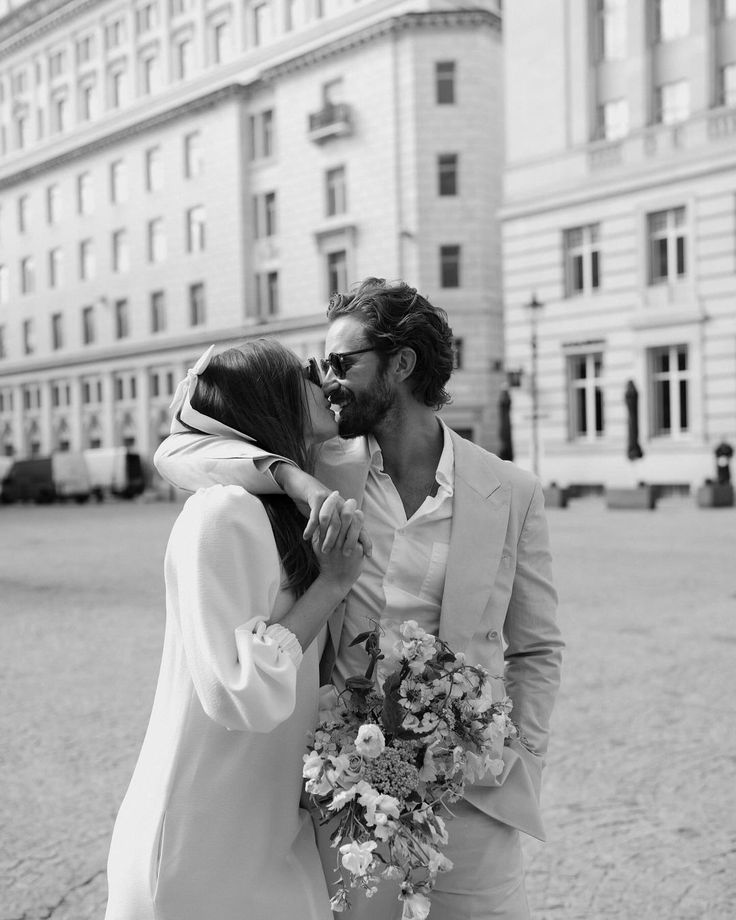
[114, 471]
[69, 471]
[29, 481]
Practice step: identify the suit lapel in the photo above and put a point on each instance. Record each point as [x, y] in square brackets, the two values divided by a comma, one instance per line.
[481, 505]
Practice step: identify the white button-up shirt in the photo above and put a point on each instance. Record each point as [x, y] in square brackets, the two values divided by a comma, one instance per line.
[404, 579]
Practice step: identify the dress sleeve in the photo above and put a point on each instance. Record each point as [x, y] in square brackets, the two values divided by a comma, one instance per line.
[192, 461]
[222, 578]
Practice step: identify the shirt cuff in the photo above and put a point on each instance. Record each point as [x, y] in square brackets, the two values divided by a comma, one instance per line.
[286, 641]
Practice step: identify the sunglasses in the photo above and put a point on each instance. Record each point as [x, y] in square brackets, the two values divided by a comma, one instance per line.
[313, 372]
[334, 361]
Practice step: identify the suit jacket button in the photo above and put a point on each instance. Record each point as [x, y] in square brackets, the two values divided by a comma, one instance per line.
[493, 634]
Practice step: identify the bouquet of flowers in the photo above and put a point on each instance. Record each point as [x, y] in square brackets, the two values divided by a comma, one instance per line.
[383, 766]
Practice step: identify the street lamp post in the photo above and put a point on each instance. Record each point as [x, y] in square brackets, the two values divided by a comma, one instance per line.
[534, 306]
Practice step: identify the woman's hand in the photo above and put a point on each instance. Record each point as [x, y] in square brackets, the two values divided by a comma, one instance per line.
[340, 563]
[329, 514]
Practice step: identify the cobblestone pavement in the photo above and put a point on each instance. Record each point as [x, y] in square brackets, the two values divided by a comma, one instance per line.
[640, 792]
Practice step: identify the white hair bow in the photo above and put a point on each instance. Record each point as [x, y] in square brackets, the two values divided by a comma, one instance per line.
[187, 385]
[183, 411]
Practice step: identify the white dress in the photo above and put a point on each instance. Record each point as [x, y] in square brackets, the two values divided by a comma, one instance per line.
[210, 827]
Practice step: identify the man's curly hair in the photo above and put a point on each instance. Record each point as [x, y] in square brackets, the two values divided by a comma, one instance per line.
[395, 316]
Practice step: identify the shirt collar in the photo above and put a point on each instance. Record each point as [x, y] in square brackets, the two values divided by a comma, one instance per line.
[445, 468]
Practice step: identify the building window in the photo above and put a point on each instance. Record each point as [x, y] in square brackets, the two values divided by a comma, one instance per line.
[613, 119]
[29, 343]
[269, 214]
[85, 196]
[115, 88]
[58, 114]
[450, 266]
[86, 100]
[183, 58]
[156, 240]
[672, 102]
[149, 70]
[582, 260]
[336, 192]
[154, 169]
[4, 284]
[267, 291]
[120, 251]
[261, 135]
[337, 271]
[669, 383]
[261, 23]
[122, 319]
[27, 275]
[671, 19]
[585, 396]
[114, 34]
[177, 7]
[53, 204]
[57, 331]
[85, 49]
[118, 182]
[445, 82]
[196, 304]
[88, 325]
[145, 18]
[447, 179]
[56, 264]
[667, 247]
[193, 162]
[86, 260]
[458, 353]
[611, 30]
[22, 213]
[727, 85]
[220, 42]
[57, 64]
[196, 229]
[158, 311]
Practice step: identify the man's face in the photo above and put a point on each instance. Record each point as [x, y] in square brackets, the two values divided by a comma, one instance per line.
[362, 392]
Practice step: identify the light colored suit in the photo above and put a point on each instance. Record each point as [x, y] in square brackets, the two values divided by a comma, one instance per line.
[499, 601]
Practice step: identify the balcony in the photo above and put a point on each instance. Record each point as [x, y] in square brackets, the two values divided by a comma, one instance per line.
[332, 121]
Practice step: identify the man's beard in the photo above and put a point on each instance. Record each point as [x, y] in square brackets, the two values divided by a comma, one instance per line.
[362, 414]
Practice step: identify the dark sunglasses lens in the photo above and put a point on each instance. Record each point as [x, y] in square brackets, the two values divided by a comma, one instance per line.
[311, 372]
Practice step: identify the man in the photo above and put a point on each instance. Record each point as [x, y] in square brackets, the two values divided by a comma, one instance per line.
[460, 544]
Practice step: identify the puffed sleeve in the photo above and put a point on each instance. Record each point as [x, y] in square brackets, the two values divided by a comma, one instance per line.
[192, 461]
[222, 577]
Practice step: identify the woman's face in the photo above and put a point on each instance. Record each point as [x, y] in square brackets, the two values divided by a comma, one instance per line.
[321, 423]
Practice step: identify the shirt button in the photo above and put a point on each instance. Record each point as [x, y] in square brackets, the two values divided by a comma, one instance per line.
[493, 634]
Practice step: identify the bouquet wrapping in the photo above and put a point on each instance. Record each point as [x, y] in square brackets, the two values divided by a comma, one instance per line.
[384, 767]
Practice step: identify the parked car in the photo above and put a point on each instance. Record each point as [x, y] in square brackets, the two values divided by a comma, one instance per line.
[114, 471]
[29, 481]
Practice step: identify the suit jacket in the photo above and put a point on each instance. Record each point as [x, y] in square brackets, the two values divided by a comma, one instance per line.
[499, 601]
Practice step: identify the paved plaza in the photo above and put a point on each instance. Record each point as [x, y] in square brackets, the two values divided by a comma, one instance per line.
[640, 791]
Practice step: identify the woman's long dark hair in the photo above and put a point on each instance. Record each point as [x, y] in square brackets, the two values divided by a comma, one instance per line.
[259, 389]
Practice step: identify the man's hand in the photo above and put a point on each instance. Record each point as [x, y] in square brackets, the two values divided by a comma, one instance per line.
[328, 513]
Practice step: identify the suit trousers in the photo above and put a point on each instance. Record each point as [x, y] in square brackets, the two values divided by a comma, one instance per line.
[485, 883]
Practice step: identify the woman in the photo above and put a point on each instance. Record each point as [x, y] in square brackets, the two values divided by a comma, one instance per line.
[211, 826]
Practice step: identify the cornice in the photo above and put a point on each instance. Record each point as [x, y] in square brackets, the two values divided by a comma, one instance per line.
[116, 355]
[202, 103]
[435, 19]
[32, 20]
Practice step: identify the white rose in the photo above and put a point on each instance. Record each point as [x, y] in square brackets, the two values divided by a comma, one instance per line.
[370, 741]
[357, 857]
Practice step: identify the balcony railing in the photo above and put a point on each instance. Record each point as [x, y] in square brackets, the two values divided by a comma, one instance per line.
[331, 121]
